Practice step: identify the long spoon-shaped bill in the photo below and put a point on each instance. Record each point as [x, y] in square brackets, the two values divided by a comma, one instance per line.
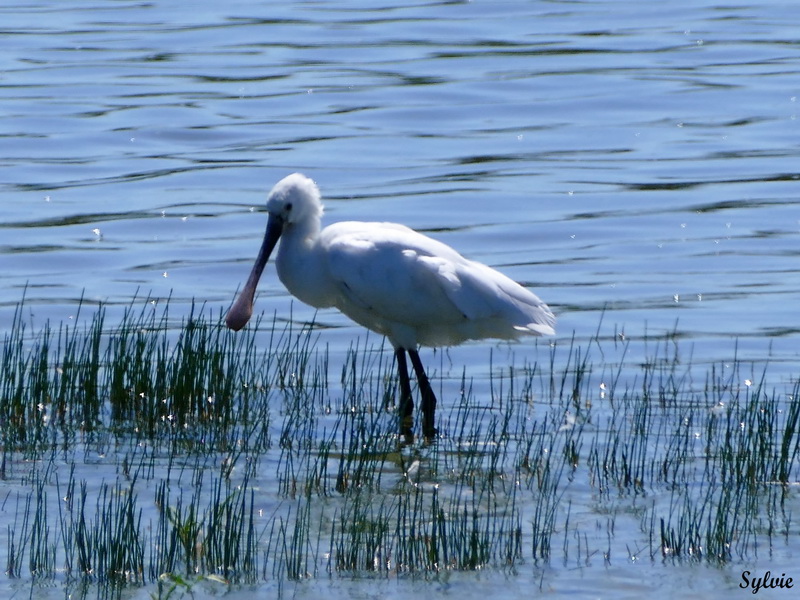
[240, 313]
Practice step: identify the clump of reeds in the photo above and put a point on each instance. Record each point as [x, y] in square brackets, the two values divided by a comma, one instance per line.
[175, 383]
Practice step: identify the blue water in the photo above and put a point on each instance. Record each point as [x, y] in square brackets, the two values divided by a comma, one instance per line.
[635, 163]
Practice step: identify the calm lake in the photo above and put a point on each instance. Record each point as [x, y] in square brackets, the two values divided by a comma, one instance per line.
[636, 164]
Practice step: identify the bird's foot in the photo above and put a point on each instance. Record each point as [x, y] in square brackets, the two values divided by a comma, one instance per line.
[430, 435]
[407, 430]
[429, 430]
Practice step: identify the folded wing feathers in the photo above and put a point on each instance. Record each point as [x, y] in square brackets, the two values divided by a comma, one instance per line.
[480, 292]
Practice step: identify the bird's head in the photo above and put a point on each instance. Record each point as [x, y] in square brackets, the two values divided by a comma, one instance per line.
[295, 199]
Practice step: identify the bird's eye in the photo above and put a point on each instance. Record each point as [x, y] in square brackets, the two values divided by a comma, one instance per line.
[288, 207]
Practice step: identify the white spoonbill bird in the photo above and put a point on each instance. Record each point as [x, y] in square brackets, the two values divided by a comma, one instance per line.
[390, 279]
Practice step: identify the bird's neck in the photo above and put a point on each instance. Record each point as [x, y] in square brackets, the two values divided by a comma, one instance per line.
[299, 265]
[301, 236]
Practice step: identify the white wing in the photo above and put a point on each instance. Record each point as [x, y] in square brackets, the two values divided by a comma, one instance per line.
[401, 283]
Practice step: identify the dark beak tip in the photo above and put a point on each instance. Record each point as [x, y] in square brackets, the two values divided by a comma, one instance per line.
[237, 318]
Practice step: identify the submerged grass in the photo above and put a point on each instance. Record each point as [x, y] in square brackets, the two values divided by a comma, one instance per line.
[165, 453]
[146, 377]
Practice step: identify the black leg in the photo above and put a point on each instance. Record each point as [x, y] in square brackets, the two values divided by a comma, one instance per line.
[406, 408]
[428, 397]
